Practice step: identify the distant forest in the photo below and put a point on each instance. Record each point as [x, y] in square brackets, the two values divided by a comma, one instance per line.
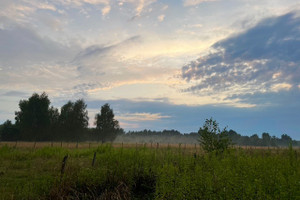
[37, 121]
[175, 137]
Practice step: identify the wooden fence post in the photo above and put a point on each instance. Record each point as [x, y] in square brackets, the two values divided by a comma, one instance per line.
[94, 159]
[64, 162]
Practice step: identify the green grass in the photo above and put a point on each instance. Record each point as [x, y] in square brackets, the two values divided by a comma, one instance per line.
[145, 173]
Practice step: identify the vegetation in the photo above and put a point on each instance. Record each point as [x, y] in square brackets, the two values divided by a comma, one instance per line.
[38, 121]
[175, 137]
[106, 126]
[73, 120]
[149, 173]
[212, 138]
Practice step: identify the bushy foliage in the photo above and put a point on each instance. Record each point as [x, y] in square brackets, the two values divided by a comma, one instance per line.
[212, 138]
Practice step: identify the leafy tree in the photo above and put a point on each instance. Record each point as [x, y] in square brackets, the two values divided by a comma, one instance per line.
[212, 138]
[9, 131]
[33, 119]
[266, 139]
[73, 120]
[107, 127]
[254, 140]
[286, 138]
[54, 124]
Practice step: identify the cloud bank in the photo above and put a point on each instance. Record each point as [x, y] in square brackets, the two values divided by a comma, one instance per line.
[263, 59]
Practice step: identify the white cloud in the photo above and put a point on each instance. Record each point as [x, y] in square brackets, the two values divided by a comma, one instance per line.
[161, 18]
[195, 2]
[165, 7]
[105, 10]
[140, 5]
[281, 86]
[196, 26]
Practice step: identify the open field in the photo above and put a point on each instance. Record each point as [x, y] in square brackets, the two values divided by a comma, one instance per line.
[137, 171]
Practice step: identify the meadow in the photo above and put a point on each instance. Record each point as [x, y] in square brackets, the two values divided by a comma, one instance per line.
[146, 171]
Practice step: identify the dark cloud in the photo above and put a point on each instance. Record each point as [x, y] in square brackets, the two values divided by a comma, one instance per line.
[277, 37]
[98, 60]
[15, 94]
[259, 58]
[100, 50]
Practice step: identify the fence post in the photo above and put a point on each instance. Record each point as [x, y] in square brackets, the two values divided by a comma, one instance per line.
[77, 145]
[94, 159]
[34, 144]
[61, 144]
[64, 162]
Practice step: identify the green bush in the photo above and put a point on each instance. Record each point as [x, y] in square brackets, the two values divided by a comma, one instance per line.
[212, 138]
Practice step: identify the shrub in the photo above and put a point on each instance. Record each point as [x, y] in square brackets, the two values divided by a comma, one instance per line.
[212, 138]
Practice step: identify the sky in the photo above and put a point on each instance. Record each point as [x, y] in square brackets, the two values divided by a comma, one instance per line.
[160, 64]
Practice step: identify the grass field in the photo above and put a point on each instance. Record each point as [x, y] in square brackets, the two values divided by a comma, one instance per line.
[137, 171]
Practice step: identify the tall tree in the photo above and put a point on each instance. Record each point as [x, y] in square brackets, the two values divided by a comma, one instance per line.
[266, 139]
[106, 126]
[54, 124]
[73, 120]
[33, 119]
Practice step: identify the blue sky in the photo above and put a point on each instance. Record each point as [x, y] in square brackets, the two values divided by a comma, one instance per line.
[160, 64]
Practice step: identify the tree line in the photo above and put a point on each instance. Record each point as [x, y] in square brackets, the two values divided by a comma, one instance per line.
[38, 121]
[236, 139]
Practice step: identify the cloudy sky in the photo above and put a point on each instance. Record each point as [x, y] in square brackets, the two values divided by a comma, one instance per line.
[161, 64]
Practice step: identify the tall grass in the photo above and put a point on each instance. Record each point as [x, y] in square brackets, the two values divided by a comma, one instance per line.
[149, 173]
